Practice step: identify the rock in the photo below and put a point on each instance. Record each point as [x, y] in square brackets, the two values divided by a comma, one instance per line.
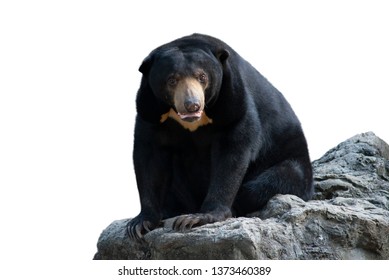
[347, 219]
[356, 168]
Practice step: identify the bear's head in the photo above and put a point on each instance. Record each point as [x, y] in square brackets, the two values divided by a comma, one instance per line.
[186, 77]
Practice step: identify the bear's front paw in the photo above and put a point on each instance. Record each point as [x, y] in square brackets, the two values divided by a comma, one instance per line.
[139, 226]
[186, 222]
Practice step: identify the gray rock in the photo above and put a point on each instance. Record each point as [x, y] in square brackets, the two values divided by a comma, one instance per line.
[356, 168]
[348, 218]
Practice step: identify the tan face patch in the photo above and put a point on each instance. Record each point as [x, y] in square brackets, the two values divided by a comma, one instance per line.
[189, 101]
[192, 126]
[185, 89]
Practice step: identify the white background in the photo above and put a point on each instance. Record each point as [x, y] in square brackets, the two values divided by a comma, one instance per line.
[69, 76]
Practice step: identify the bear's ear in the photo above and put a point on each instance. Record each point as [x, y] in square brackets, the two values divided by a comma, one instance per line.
[222, 55]
[146, 64]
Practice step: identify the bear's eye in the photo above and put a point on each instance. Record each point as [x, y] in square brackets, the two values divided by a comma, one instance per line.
[172, 81]
[203, 78]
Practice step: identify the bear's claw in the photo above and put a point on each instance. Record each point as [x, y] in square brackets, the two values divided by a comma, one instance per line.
[186, 222]
[137, 228]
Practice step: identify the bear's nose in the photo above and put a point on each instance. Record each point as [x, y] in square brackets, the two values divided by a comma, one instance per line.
[192, 106]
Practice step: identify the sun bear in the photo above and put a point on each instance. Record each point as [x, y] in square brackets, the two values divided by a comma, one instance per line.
[213, 138]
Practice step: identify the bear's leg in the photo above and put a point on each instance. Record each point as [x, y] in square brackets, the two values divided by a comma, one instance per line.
[153, 175]
[292, 176]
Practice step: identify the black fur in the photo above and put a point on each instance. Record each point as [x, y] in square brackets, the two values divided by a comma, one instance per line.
[254, 148]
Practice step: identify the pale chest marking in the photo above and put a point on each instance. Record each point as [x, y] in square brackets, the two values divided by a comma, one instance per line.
[192, 126]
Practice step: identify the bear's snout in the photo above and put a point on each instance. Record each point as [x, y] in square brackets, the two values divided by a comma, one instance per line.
[189, 99]
[192, 105]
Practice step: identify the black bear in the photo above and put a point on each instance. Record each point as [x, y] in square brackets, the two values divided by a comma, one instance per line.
[213, 138]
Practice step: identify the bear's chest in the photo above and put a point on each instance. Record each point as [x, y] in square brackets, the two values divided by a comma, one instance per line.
[190, 153]
[173, 136]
